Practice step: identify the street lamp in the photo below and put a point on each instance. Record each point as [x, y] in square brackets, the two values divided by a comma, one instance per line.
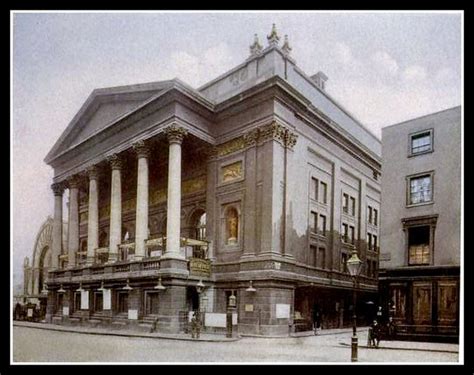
[159, 286]
[230, 309]
[354, 265]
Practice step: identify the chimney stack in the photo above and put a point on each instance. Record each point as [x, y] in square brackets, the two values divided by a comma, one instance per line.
[320, 79]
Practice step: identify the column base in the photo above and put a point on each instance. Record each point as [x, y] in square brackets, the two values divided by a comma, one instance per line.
[90, 261]
[172, 255]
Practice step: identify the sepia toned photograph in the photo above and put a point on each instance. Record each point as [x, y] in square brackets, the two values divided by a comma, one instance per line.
[237, 187]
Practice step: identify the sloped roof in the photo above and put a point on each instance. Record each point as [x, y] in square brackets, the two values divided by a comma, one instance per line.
[101, 109]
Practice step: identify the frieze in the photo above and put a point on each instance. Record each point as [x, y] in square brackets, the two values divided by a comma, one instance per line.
[231, 146]
[194, 185]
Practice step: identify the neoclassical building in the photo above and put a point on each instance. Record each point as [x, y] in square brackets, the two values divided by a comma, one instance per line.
[257, 185]
[36, 267]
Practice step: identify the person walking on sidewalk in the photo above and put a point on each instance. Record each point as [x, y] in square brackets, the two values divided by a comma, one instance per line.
[316, 319]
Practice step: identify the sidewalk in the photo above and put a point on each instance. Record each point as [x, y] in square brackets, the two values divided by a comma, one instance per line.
[408, 345]
[128, 333]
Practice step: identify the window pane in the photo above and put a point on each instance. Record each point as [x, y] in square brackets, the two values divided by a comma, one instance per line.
[324, 189]
[421, 143]
[420, 189]
[315, 186]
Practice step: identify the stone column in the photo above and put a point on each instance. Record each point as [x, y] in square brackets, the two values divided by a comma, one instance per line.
[211, 201]
[56, 248]
[250, 214]
[141, 232]
[115, 207]
[73, 231]
[173, 226]
[93, 219]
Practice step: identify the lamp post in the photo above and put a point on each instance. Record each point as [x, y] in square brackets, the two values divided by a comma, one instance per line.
[354, 265]
[230, 309]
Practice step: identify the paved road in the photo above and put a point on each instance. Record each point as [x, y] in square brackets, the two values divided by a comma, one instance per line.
[38, 345]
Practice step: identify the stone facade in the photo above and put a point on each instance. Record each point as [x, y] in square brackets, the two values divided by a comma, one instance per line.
[248, 174]
[420, 256]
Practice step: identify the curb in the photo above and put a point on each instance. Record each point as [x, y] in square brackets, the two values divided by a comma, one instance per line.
[411, 349]
[124, 334]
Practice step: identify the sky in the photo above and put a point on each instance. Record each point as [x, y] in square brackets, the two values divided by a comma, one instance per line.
[384, 68]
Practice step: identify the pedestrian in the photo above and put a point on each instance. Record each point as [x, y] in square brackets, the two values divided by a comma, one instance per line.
[391, 327]
[379, 314]
[316, 319]
[374, 333]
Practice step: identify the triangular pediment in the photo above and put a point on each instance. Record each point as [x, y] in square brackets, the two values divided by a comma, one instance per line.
[101, 110]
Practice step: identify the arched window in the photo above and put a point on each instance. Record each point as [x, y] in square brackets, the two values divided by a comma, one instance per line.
[232, 226]
[201, 227]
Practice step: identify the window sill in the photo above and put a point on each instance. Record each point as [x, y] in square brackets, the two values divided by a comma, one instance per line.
[419, 204]
[411, 155]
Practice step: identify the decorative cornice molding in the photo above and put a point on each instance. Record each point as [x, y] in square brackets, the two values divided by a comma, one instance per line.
[115, 162]
[58, 188]
[175, 133]
[142, 149]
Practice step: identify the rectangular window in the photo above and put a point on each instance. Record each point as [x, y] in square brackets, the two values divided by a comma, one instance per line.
[369, 241]
[77, 301]
[321, 260]
[375, 242]
[369, 214]
[343, 262]
[314, 222]
[353, 206]
[345, 203]
[369, 268]
[420, 189]
[345, 232]
[314, 188]
[351, 234]
[421, 142]
[324, 192]
[375, 217]
[322, 225]
[419, 245]
[313, 250]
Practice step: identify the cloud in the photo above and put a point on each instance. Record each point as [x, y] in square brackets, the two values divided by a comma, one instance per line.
[414, 73]
[385, 63]
[343, 53]
[196, 69]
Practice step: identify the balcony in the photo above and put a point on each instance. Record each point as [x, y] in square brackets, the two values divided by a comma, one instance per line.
[194, 251]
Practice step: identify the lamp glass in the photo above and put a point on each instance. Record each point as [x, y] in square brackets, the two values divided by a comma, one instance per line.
[354, 264]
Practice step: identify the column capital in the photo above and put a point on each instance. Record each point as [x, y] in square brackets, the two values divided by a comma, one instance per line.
[92, 172]
[58, 188]
[142, 149]
[115, 161]
[272, 131]
[291, 139]
[73, 182]
[175, 133]
[251, 137]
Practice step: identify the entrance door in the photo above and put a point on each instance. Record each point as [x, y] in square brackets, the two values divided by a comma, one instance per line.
[152, 303]
[421, 303]
[98, 303]
[123, 302]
